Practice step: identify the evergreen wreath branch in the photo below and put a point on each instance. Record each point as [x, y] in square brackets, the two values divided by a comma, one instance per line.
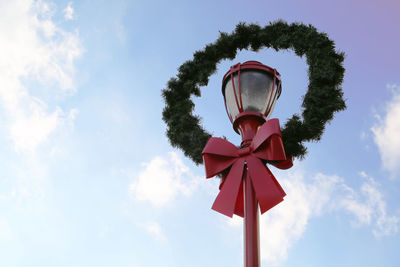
[323, 98]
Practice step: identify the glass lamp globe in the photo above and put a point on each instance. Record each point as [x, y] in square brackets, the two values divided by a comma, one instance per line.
[250, 87]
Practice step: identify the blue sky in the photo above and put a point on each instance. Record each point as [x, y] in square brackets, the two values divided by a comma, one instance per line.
[87, 175]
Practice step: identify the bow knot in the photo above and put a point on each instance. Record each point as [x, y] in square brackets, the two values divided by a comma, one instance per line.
[222, 157]
[244, 151]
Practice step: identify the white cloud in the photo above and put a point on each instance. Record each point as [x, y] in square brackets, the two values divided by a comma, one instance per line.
[35, 53]
[155, 230]
[284, 225]
[29, 131]
[235, 221]
[281, 227]
[69, 12]
[386, 132]
[27, 182]
[369, 207]
[162, 179]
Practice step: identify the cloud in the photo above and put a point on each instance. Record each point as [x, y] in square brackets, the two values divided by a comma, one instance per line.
[386, 132]
[27, 132]
[69, 12]
[285, 224]
[369, 208]
[162, 180]
[155, 230]
[37, 59]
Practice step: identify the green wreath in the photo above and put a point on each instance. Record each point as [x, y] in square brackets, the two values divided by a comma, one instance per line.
[323, 98]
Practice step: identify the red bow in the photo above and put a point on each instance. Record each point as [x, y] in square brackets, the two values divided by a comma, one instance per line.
[222, 156]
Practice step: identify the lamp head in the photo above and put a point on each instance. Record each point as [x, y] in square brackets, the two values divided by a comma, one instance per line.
[250, 88]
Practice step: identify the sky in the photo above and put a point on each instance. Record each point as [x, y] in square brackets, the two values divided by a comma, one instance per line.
[87, 174]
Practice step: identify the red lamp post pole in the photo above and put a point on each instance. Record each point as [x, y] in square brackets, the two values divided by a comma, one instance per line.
[250, 91]
[251, 226]
[247, 123]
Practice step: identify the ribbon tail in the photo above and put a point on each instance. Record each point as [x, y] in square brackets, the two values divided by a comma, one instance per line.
[239, 206]
[283, 165]
[226, 200]
[268, 191]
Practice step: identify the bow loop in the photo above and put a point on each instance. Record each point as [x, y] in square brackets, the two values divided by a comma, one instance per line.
[271, 149]
[269, 128]
[220, 147]
[218, 155]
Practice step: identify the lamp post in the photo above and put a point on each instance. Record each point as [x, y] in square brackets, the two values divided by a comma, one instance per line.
[250, 92]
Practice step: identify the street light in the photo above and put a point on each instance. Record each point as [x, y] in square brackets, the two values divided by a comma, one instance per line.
[250, 92]
[250, 88]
